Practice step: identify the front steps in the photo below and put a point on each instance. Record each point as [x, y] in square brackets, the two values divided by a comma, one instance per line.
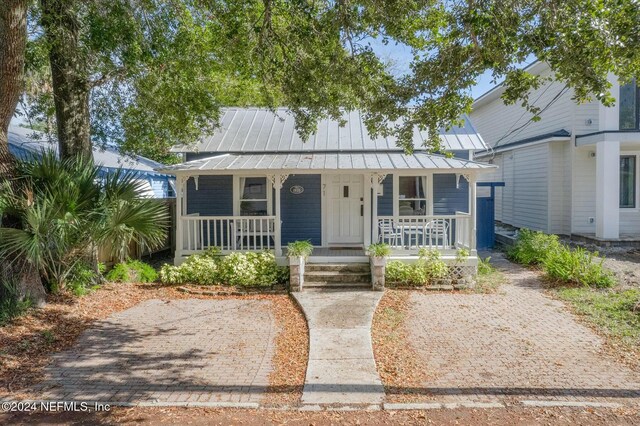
[319, 276]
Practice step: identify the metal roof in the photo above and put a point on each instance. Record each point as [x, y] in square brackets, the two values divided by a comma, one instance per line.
[326, 161]
[35, 142]
[260, 130]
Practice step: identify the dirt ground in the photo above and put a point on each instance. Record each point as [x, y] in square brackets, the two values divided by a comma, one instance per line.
[197, 416]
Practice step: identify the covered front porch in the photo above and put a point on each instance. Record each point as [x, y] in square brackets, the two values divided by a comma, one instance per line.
[409, 202]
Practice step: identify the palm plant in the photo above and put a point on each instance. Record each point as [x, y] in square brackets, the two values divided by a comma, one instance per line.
[67, 210]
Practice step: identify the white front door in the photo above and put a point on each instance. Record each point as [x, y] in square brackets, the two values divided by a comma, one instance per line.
[345, 221]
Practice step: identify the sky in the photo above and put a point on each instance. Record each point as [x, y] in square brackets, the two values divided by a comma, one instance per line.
[400, 56]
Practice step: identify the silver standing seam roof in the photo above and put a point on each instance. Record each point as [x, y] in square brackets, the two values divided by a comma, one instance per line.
[251, 130]
[369, 161]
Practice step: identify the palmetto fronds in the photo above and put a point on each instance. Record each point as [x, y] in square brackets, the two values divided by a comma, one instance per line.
[66, 209]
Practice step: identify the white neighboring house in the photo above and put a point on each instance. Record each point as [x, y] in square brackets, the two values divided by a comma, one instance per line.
[574, 172]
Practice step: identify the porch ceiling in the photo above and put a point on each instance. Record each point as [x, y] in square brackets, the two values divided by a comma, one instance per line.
[300, 162]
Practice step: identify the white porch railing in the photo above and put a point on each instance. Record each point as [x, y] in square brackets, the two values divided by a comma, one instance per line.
[229, 233]
[440, 232]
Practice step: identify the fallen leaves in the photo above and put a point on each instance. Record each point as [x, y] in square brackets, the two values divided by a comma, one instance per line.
[398, 364]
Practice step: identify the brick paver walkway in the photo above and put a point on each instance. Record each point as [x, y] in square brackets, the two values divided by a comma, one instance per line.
[515, 345]
[170, 351]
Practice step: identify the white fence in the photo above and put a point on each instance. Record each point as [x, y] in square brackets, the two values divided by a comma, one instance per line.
[433, 232]
[229, 233]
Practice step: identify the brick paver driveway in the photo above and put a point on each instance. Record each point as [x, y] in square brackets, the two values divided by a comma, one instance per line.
[170, 351]
[515, 345]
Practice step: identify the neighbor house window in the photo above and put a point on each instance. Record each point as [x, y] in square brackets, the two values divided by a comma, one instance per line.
[629, 106]
[254, 196]
[627, 181]
[412, 196]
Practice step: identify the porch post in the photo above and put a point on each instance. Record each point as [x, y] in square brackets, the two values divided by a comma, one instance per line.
[180, 180]
[472, 210]
[608, 190]
[367, 210]
[277, 185]
[374, 206]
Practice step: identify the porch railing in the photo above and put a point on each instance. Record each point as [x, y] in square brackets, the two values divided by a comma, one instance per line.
[440, 232]
[229, 233]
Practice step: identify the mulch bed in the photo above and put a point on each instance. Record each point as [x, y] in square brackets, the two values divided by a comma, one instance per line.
[398, 364]
[27, 343]
[292, 353]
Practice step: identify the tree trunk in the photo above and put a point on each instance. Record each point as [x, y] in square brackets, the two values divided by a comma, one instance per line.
[69, 77]
[13, 39]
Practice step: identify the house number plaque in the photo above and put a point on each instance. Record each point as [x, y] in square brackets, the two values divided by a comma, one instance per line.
[296, 189]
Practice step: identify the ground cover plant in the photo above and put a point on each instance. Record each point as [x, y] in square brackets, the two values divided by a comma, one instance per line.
[132, 271]
[561, 263]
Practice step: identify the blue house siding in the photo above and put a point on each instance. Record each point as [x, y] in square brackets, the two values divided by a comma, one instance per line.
[447, 199]
[301, 214]
[214, 196]
[385, 202]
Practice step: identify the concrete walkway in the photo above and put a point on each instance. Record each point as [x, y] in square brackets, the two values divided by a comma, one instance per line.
[341, 367]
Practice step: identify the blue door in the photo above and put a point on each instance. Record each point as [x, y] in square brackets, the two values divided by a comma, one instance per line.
[486, 218]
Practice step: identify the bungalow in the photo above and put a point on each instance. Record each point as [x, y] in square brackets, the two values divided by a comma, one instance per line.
[254, 185]
[574, 172]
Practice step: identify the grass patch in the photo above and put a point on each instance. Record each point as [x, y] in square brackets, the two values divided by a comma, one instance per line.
[614, 312]
[489, 279]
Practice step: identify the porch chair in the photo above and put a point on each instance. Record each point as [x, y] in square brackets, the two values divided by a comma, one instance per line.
[437, 230]
[388, 232]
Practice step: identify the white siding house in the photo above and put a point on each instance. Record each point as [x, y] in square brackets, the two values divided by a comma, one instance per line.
[573, 172]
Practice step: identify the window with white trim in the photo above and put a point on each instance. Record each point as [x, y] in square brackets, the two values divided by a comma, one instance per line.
[412, 195]
[254, 196]
[628, 181]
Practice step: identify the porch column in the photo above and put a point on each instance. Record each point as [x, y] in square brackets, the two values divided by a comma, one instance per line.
[277, 181]
[608, 190]
[180, 184]
[472, 210]
[367, 210]
[375, 186]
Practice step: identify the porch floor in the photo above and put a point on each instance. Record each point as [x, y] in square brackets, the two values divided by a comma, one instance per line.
[335, 254]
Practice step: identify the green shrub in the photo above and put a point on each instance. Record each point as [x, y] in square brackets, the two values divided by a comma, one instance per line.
[379, 250]
[238, 269]
[426, 270]
[485, 267]
[300, 249]
[132, 271]
[11, 306]
[533, 247]
[577, 266]
[399, 272]
[82, 279]
[432, 264]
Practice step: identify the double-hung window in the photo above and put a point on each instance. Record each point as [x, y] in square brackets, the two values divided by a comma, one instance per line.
[628, 174]
[254, 196]
[412, 196]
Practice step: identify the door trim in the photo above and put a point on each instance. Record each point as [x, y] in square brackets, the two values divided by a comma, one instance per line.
[325, 211]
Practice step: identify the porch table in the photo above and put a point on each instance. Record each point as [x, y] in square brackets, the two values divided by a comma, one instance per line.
[413, 231]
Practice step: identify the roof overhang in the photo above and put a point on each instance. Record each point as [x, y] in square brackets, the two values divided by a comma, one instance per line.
[302, 163]
[558, 136]
[608, 135]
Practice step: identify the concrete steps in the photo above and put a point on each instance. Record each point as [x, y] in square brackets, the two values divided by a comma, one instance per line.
[337, 275]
